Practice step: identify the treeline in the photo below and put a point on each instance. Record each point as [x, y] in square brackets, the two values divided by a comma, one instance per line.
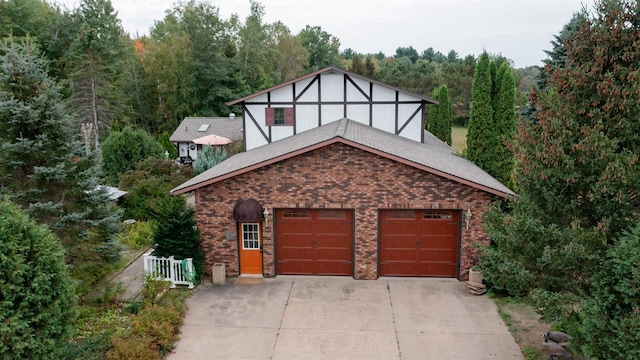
[194, 61]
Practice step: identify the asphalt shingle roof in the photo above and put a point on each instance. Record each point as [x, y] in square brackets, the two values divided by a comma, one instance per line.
[433, 154]
[187, 131]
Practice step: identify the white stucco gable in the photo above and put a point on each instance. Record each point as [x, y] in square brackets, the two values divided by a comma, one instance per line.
[328, 95]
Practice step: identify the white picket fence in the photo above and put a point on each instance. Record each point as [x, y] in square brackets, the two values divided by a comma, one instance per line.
[168, 269]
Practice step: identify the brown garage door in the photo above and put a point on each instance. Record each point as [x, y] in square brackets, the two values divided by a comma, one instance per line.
[419, 243]
[314, 242]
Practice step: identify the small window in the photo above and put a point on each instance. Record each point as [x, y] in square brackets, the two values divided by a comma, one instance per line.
[296, 214]
[331, 214]
[203, 128]
[280, 116]
[250, 236]
[436, 215]
[400, 215]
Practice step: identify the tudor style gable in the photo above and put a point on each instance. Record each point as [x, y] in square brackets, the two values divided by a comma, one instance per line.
[328, 95]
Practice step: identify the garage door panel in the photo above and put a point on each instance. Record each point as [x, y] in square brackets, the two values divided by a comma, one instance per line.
[437, 269]
[325, 235]
[436, 255]
[419, 243]
[398, 255]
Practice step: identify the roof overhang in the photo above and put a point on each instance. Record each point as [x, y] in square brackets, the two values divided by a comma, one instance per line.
[341, 140]
[328, 70]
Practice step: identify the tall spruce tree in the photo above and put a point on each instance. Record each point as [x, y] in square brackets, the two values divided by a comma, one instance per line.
[44, 167]
[578, 181]
[481, 137]
[440, 115]
[504, 117]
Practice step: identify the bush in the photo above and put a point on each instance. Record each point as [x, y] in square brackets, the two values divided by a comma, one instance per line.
[148, 184]
[209, 157]
[611, 325]
[176, 233]
[122, 150]
[37, 297]
[152, 288]
[138, 235]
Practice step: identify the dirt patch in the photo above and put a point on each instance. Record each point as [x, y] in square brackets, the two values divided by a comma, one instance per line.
[525, 326]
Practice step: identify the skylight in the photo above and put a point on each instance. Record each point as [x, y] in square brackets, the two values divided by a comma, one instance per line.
[203, 128]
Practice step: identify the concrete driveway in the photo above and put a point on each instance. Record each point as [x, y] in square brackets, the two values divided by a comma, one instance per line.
[341, 318]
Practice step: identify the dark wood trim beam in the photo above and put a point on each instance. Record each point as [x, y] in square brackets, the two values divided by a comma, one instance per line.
[358, 87]
[293, 88]
[296, 98]
[344, 95]
[410, 118]
[397, 110]
[381, 102]
[371, 103]
[246, 111]
[319, 101]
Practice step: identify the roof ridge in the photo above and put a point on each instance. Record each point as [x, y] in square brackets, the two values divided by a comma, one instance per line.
[342, 127]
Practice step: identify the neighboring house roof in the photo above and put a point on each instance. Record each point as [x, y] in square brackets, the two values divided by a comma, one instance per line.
[330, 69]
[187, 131]
[433, 156]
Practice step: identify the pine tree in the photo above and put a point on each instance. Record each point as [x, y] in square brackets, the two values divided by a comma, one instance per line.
[38, 298]
[481, 137]
[44, 166]
[440, 115]
[504, 118]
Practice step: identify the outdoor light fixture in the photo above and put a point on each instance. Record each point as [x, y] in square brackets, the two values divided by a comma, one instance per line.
[467, 217]
[266, 214]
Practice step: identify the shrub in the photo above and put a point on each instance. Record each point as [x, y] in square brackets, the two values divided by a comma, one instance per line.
[122, 150]
[176, 233]
[138, 235]
[611, 325]
[37, 296]
[148, 184]
[209, 157]
[133, 348]
[152, 288]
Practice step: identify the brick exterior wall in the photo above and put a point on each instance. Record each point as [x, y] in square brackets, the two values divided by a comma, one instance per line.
[335, 176]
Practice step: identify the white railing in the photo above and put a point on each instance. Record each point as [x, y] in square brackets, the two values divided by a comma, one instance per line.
[169, 269]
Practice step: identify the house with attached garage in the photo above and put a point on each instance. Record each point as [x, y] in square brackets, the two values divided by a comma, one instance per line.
[339, 177]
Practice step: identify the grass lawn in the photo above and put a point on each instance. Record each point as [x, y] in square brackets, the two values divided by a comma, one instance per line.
[459, 139]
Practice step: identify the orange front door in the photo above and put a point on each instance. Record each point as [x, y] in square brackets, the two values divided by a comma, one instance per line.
[250, 249]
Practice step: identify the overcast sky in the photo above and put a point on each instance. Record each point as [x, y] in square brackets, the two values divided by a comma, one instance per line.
[519, 29]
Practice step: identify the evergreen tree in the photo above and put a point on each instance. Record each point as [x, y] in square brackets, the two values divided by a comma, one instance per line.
[369, 68]
[44, 167]
[167, 145]
[176, 233]
[122, 150]
[95, 59]
[209, 158]
[505, 122]
[578, 182]
[440, 115]
[481, 137]
[38, 298]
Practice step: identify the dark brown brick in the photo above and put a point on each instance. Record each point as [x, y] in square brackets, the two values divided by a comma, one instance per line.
[336, 176]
